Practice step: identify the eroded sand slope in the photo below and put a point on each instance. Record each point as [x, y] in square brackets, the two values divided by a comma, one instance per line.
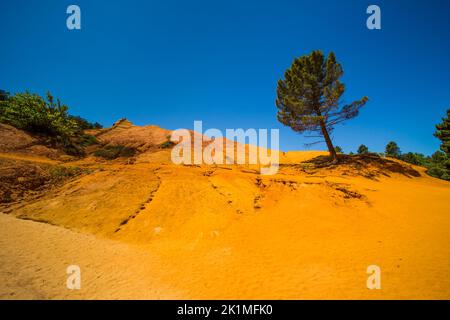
[151, 229]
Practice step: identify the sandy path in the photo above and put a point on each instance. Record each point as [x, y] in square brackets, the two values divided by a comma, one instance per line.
[34, 257]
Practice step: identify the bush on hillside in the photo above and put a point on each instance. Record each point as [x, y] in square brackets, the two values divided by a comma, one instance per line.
[46, 117]
[32, 113]
[436, 164]
[362, 149]
[83, 124]
[114, 152]
[61, 173]
[338, 149]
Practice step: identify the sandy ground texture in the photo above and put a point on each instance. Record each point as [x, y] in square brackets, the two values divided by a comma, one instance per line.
[34, 258]
[151, 229]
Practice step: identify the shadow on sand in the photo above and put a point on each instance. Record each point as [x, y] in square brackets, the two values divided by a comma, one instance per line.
[370, 165]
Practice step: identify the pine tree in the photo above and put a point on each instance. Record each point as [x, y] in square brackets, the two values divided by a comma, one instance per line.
[363, 149]
[443, 134]
[308, 99]
[4, 95]
[392, 150]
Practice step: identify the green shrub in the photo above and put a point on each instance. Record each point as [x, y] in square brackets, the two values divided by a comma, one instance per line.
[362, 149]
[415, 158]
[114, 152]
[6, 197]
[86, 140]
[392, 150]
[4, 95]
[61, 173]
[83, 124]
[338, 149]
[46, 117]
[167, 144]
[32, 113]
[437, 172]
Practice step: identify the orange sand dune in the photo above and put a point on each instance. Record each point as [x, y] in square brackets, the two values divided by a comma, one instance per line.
[152, 229]
[34, 258]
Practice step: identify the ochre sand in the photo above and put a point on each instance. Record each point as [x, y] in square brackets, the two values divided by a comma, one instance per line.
[156, 230]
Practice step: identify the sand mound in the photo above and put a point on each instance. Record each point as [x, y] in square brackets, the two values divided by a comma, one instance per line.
[370, 166]
[19, 141]
[14, 139]
[123, 132]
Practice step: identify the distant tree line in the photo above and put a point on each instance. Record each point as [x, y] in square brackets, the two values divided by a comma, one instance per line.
[438, 164]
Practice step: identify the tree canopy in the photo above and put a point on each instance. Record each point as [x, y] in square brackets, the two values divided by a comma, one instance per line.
[47, 117]
[443, 134]
[362, 149]
[309, 97]
[392, 150]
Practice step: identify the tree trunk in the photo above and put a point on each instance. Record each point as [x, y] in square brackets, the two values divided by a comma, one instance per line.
[330, 146]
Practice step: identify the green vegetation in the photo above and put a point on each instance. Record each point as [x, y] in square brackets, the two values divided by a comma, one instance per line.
[308, 98]
[114, 152]
[167, 144]
[46, 117]
[83, 124]
[338, 149]
[443, 134]
[86, 140]
[436, 164]
[392, 150]
[61, 173]
[32, 113]
[4, 95]
[362, 149]
[6, 197]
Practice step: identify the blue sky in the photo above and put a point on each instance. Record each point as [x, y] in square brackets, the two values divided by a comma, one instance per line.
[172, 62]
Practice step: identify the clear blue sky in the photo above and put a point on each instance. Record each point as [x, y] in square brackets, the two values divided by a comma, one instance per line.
[172, 62]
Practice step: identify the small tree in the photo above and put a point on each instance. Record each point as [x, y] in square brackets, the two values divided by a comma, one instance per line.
[443, 134]
[392, 150]
[363, 149]
[4, 95]
[35, 114]
[338, 149]
[415, 158]
[308, 98]
[438, 157]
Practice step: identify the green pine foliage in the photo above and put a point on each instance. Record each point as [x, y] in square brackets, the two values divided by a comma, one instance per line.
[392, 150]
[83, 124]
[32, 113]
[308, 98]
[111, 152]
[363, 149]
[3, 95]
[443, 134]
[436, 164]
[46, 117]
[338, 149]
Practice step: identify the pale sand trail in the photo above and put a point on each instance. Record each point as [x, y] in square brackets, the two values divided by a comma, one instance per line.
[34, 258]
